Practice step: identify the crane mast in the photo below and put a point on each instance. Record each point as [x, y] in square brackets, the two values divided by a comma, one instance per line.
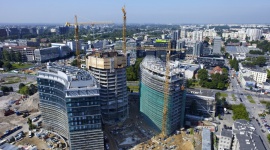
[77, 41]
[124, 47]
[166, 92]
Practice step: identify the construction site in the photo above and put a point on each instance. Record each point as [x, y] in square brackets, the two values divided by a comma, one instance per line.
[109, 69]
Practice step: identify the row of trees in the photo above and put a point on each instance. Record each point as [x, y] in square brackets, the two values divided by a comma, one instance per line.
[215, 81]
[27, 90]
[234, 64]
[256, 52]
[12, 56]
[264, 45]
[6, 65]
[134, 70]
[6, 89]
[260, 61]
[240, 112]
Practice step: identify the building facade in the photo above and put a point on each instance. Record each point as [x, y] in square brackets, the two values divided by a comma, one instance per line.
[152, 94]
[70, 105]
[109, 68]
[217, 46]
[225, 140]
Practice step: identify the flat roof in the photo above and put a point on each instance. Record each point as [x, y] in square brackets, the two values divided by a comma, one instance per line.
[227, 133]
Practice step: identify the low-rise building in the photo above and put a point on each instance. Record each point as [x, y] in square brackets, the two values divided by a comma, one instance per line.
[27, 53]
[225, 139]
[245, 137]
[258, 74]
[206, 139]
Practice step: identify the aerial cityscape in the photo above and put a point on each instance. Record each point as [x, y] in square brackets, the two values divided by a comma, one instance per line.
[129, 79]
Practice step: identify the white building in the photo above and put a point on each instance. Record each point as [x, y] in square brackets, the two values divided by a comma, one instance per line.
[225, 139]
[197, 35]
[259, 75]
[254, 34]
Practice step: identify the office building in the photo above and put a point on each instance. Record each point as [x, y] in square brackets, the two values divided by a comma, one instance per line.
[217, 46]
[109, 68]
[70, 105]
[3, 33]
[27, 53]
[175, 35]
[152, 94]
[197, 49]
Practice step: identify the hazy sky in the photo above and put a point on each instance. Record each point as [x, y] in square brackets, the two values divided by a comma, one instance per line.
[138, 11]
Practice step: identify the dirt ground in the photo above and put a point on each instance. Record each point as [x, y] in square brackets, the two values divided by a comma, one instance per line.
[33, 141]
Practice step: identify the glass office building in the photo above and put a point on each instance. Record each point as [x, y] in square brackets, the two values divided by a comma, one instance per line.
[70, 105]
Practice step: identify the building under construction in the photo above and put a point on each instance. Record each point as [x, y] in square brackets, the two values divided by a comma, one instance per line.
[152, 94]
[70, 105]
[109, 69]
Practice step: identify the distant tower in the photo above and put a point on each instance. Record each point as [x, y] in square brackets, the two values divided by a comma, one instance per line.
[217, 46]
[175, 35]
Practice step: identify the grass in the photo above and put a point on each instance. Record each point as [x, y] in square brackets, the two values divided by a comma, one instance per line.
[234, 98]
[223, 95]
[11, 80]
[21, 65]
[251, 100]
[134, 88]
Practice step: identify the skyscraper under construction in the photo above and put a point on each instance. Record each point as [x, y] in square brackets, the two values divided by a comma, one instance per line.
[109, 69]
[152, 83]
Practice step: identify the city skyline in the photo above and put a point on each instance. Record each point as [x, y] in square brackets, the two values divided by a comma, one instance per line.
[160, 12]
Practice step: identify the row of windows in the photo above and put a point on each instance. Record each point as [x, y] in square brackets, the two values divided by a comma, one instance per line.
[83, 122]
[85, 127]
[84, 117]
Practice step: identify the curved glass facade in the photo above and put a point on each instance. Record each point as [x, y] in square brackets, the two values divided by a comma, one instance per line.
[152, 99]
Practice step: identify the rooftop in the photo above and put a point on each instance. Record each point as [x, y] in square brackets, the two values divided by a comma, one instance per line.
[201, 92]
[105, 54]
[156, 65]
[227, 133]
[71, 77]
[206, 139]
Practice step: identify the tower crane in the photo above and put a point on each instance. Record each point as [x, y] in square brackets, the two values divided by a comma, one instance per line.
[76, 26]
[124, 30]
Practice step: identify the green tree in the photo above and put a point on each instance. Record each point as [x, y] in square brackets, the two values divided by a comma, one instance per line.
[24, 90]
[1, 64]
[268, 137]
[7, 65]
[18, 57]
[74, 62]
[260, 61]
[21, 85]
[203, 74]
[240, 112]
[6, 55]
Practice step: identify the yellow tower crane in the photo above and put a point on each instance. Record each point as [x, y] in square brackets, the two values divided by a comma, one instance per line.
[124, 30]
[76, 26]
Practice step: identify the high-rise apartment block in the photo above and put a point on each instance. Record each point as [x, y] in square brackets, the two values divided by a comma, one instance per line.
[70, 105]
[109, 69]
[217, 46]
[152, 94]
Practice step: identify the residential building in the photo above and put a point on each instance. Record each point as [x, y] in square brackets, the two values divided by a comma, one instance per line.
[211, 61]
[254, 34]
[225, 140]
[152, 84]
[217, 46]
[217, 69]
[70, 105]
[206, 139]
[258, 74]
[183, 33]
[109, 68]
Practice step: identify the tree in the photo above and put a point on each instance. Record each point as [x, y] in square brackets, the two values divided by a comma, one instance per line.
[74, 62]
[32, 89]
[203, 74]
[18, 57]
[7, 65]
[6, 55]
[260, 61]
[240, 112]
[268, 137]
[21, 85]
[4, 89]
[24, 90]
[1, 64]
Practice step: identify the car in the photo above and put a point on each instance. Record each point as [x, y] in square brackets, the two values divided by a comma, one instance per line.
[34, 119]
[263, 130]
[30, 134]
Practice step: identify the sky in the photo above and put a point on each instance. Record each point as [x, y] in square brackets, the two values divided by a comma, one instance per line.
[138, 11]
